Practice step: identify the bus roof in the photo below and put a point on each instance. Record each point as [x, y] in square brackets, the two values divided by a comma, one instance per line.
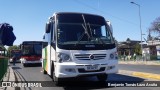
[56, 13]
[31, 42]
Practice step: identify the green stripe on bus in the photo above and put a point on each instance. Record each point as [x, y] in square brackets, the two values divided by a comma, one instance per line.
[45, 59]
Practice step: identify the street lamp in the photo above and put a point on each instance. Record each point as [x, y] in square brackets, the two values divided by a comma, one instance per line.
[140, 22]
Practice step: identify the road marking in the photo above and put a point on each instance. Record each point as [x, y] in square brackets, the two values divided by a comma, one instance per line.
[147, 75]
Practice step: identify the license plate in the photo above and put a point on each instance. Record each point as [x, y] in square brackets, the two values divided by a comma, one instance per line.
[92, 67]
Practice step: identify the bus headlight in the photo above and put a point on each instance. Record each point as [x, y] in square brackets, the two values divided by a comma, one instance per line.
[23, 60]
[63, 57]
[114, 56]
[111, 56]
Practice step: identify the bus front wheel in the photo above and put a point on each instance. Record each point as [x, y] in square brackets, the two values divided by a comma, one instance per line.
[24, 65]
[56, 80]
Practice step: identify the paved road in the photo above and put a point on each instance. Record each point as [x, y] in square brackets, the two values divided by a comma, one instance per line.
[141, 68]
[35, 74]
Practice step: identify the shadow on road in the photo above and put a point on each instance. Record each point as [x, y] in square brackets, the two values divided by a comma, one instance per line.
[85, 84]
[16, 67]
[33, 65]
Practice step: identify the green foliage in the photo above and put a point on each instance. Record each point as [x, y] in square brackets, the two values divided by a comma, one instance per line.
[137, 49]
[153, 57]
[128, 39]
[14, 47]
[3, 51]
[2, 48]
[116, 42]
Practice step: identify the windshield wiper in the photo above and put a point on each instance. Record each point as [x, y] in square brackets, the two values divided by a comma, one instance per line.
[85, 31]
[99, 39]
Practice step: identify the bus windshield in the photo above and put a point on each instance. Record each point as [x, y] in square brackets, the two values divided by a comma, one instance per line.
[83, 29]
[17, 53]
[32, 49]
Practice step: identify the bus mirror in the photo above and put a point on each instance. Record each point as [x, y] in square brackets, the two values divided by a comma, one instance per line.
[48, 25]
[44, 37]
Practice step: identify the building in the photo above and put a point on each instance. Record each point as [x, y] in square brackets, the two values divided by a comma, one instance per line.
[154, 48]
[130, 47]
[127, 47]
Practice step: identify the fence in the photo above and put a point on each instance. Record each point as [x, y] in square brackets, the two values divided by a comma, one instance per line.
[3, 66]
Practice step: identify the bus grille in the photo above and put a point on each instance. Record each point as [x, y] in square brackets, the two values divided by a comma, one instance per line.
[90, 56]
[82, 70]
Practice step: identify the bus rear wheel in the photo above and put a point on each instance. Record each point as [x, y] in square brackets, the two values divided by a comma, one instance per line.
[44, 71]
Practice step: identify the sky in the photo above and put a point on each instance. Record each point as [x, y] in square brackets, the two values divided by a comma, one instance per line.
[28, 17]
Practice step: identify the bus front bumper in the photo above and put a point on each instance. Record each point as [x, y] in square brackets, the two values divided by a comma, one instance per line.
[31, 62]
[67, 70]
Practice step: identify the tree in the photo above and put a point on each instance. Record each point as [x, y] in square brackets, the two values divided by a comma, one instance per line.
[2, 51]
[128, 40]
[137, 49]
[15, 47]
[116, 42]
[2, 47]
[155, 26]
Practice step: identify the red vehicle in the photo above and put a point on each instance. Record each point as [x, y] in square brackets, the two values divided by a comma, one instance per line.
[17, 53]
[31, 52]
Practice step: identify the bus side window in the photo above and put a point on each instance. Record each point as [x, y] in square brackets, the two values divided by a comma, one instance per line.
[53, 33]
[52, 29]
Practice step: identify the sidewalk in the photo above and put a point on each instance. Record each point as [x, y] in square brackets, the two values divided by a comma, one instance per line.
[155, 62]
[9, 76]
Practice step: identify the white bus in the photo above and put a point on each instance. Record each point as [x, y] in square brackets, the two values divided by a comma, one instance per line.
[78, 44]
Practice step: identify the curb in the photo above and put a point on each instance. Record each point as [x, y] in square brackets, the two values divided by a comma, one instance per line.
[150, 76]
[147, 75]
[12, 75]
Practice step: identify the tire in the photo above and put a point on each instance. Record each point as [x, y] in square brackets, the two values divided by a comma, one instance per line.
[24, 65]
[102, 77]
[56, 80]
[44, 71]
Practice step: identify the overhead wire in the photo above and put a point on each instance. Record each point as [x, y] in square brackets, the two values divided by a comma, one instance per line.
[93, 8]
